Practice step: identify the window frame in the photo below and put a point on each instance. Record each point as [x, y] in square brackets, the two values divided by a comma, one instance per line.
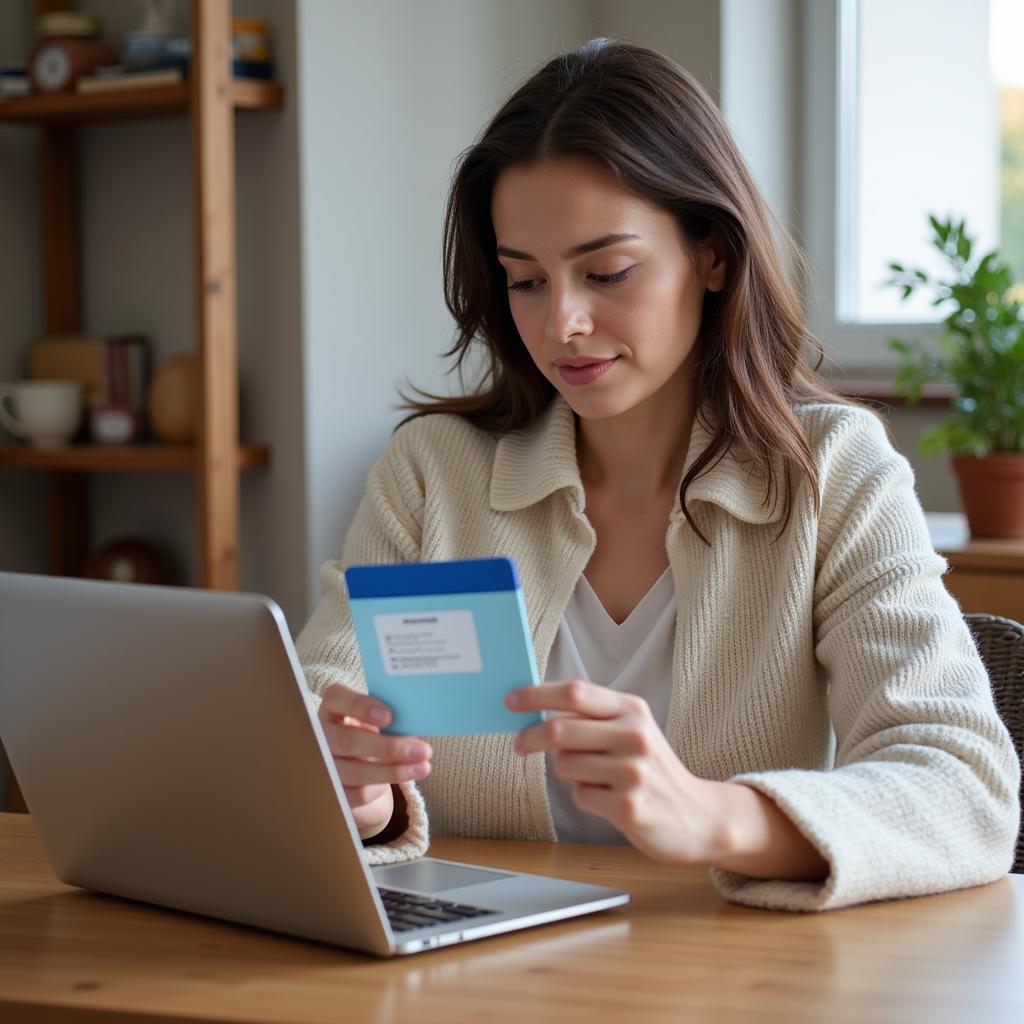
[828, 197]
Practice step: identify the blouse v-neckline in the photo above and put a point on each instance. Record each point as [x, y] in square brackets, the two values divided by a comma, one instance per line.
[589, 595]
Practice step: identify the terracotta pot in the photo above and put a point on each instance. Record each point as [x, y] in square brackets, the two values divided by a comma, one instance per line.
[992, 492]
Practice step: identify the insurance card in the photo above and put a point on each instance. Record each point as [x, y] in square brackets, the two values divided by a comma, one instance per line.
[443, 642]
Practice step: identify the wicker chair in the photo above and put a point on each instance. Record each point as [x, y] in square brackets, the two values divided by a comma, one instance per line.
[1001, 645]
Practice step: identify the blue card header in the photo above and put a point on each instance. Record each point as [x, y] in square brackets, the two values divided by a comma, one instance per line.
[415, 579]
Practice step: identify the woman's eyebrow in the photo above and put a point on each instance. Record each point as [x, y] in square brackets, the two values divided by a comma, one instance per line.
[576, 250]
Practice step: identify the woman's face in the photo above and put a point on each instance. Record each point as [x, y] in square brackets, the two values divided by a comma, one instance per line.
[605, 296]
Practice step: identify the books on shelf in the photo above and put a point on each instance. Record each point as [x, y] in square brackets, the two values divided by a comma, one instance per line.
[14, 82]
[111, 80]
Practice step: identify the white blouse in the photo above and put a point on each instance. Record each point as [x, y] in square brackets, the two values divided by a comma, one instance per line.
[634, 657]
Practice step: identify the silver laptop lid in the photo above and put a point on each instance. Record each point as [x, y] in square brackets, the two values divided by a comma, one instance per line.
[168, 752]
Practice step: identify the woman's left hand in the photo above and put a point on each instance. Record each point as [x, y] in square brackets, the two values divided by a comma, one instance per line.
[621, 767]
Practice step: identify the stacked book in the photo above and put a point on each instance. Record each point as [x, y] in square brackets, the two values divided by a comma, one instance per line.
[118, 76]
[14, 82]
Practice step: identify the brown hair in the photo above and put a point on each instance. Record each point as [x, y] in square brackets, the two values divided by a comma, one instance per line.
[650, 122]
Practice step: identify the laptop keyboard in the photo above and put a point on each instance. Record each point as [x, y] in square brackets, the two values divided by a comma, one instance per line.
[406, 910]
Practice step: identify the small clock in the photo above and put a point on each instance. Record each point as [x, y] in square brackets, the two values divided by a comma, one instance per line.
[56, 63]
[51, 67]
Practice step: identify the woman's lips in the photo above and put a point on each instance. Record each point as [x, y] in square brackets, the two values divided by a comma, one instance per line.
[586, 374]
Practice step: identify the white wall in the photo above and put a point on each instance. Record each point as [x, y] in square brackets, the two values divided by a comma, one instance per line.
[390, 94]
[688, 31]
[760, 83]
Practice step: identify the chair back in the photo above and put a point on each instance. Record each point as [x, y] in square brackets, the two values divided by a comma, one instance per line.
[1001, 645]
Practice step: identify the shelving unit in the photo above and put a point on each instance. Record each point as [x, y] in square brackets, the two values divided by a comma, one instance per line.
[134, 458]
[161, 101]
[209, 99]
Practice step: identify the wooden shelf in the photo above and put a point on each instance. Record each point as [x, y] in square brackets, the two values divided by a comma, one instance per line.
[880, 391]
[158, 101]
[136, 458]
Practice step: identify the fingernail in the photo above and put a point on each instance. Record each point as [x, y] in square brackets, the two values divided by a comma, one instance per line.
[417, 751]
[379, 716]
[512, 699]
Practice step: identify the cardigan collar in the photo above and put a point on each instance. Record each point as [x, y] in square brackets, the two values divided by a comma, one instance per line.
[533, 463]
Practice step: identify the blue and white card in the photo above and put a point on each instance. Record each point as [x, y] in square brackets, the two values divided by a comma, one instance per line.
[443, 642]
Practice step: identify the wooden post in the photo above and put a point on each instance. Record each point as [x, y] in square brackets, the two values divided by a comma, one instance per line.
[62, 306]
[69, 523]
[58, 166]
[213, 156]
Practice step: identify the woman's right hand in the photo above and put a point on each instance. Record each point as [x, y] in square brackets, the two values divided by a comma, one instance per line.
[368, 762]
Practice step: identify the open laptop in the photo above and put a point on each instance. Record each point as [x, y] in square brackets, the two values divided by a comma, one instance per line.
[168, 750]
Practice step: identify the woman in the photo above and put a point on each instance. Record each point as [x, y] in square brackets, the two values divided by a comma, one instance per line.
[748, 653]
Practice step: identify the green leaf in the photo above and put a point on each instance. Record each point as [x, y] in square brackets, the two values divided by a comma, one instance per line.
[979, 350]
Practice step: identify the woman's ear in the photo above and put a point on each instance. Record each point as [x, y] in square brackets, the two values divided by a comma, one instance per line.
[713, 265]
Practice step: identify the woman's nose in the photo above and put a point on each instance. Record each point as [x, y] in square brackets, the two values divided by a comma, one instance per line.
[568, 316]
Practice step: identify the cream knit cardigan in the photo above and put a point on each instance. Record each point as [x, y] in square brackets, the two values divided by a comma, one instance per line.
[819, 659]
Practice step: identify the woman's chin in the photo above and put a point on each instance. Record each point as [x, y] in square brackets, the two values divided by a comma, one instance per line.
[595, 406]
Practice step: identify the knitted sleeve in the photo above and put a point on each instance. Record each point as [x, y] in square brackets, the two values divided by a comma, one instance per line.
[386, 528]
[923, 796]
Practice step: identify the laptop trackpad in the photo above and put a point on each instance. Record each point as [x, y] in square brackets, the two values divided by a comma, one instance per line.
[431, 876]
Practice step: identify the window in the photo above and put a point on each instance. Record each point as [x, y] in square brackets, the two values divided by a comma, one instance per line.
[912, 108]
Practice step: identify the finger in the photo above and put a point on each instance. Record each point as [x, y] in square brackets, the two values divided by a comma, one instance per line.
[353, 741]
[573, 695]
[600, 800]
[352, 723]
[357, 796]
[593, 734]
[599, 770]
[341, 700]
[368, 773]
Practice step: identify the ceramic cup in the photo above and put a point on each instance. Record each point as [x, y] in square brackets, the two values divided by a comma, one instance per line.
[47, 413]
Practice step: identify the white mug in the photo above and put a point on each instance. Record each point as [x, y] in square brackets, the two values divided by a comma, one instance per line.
[45, 412]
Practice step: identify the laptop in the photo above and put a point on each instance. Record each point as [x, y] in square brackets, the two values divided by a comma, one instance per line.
[168, 750]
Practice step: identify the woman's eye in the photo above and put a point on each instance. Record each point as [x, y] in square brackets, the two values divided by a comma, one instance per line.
[527, 286]
[613, 278]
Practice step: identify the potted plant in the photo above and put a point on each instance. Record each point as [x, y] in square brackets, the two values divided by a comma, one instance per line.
[981, 356]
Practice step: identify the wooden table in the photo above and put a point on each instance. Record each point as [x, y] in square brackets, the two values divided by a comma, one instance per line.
[676, 952]
[984, 575]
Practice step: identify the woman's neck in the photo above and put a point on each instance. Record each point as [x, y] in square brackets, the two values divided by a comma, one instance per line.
[639, 454]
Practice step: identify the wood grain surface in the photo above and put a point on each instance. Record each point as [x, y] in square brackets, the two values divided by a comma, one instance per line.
[677, 951]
